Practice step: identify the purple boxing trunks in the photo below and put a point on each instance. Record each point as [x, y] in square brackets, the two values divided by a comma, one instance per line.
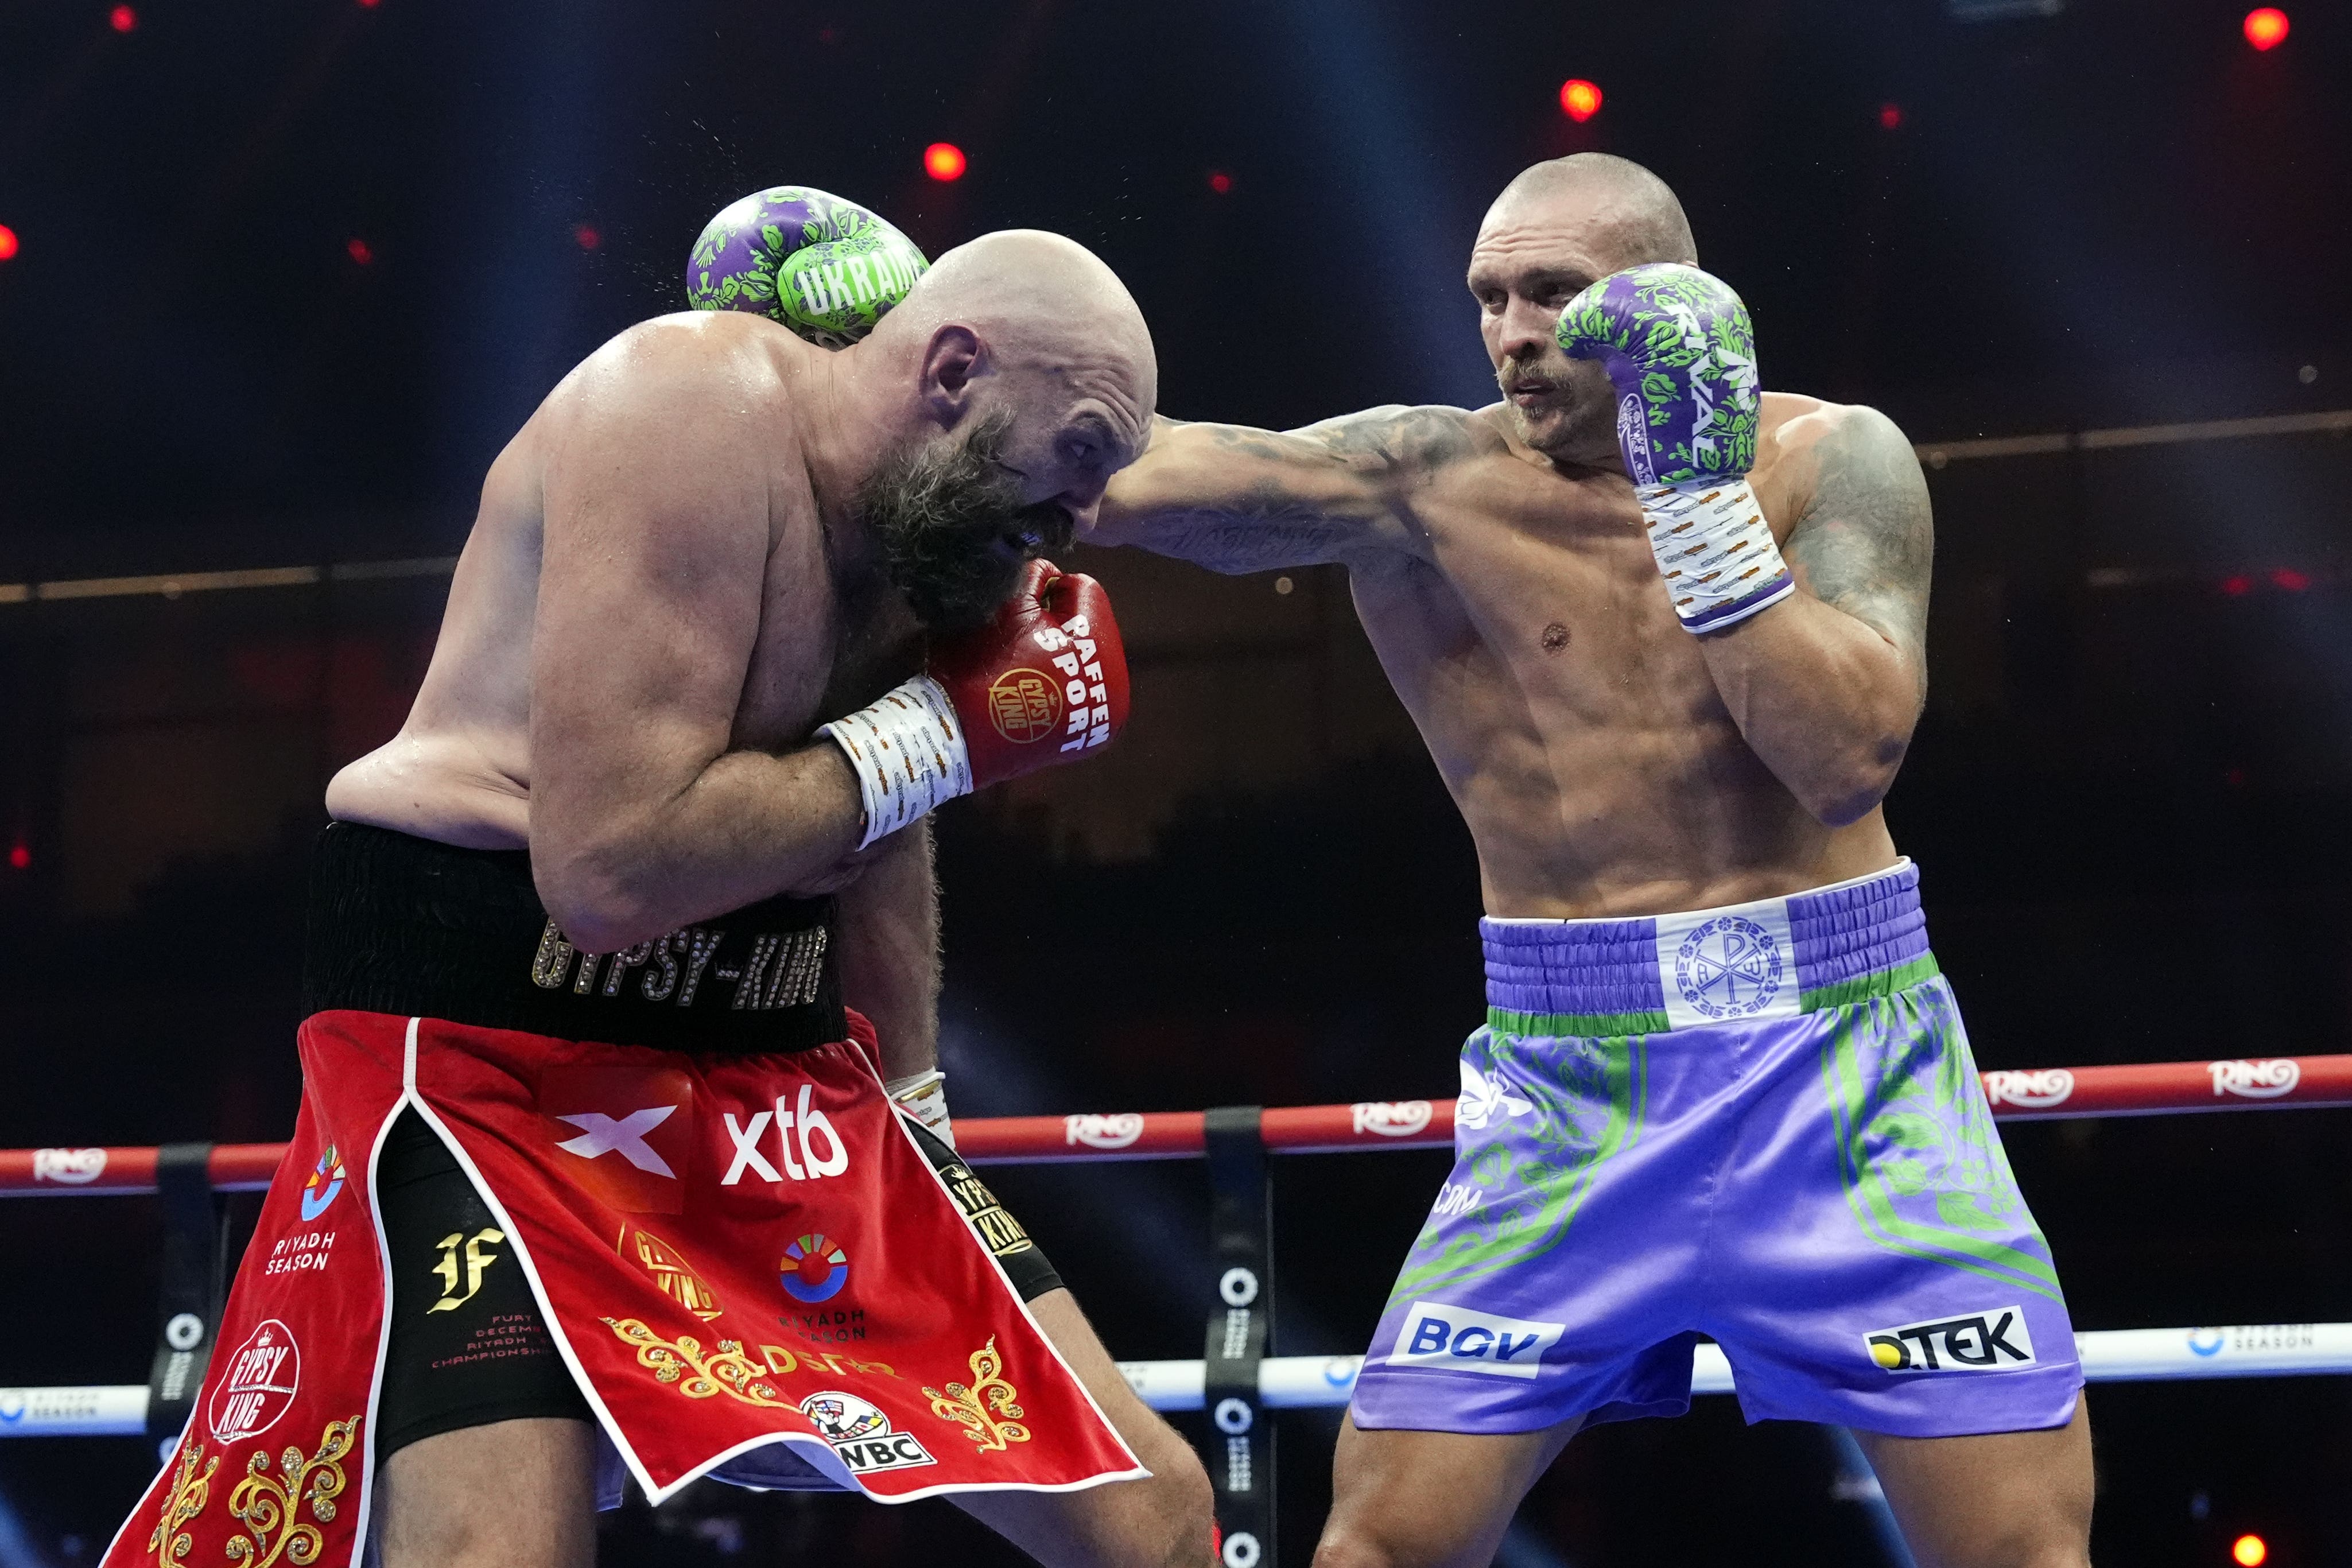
[1758, 1123]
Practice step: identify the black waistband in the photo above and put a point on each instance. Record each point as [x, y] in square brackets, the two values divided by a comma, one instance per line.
[404, 925]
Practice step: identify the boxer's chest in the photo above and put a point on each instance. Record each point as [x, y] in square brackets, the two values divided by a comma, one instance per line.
[1556, 581]
[820, 655]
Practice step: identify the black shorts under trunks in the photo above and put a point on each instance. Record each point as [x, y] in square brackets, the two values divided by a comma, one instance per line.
[469, 1345]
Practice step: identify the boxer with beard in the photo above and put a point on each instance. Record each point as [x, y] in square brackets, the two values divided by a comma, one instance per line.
[952, 526]
[623, 969]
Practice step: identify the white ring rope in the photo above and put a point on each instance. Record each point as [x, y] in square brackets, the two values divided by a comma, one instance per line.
[1314, 1382]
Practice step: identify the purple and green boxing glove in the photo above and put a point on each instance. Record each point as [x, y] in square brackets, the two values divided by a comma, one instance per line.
[826, 268]
[1681, 352]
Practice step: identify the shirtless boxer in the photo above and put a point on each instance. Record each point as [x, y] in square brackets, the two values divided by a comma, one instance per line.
[711, 539]
[1758, 1123]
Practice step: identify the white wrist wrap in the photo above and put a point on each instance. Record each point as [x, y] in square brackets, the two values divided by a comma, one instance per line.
[908, 753]
[924, 1097]
[1715, 549]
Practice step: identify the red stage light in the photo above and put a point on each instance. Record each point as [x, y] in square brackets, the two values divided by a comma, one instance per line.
[20, 856]
[2294, 582]
[1220, 183]
[2237, 587]
[586, 238]
[1579, 99]
[7, 242]
[2250, 1550]
[943, 161]
[1890, 117]
[2266, 29]
[359, 251]
[123, 18]
[369, 5]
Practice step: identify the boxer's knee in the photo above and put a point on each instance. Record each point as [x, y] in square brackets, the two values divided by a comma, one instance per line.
[1180, 1509]
[1359, 1543]
[2023, 1547]
[511, 1494]
[2050, 1537]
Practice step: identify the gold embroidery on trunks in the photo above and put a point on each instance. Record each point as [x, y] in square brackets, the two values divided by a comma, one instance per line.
[269, 1504]
[191, 1489]
[726, 1370]
[672, 1274]
[978, 1406]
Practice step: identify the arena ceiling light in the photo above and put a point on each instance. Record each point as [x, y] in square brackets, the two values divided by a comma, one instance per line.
[2266, 28]
[944, 161]
[2001, 10]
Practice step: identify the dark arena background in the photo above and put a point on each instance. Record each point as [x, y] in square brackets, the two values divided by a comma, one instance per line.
[277, 281]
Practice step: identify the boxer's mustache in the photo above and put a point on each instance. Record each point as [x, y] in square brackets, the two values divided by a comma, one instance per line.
[1512, 374]
[953, 528]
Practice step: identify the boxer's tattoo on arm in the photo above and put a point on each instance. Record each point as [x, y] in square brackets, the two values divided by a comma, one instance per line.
[1866, 544]
[1395, 440]
[1236, 540]
[1301, 498]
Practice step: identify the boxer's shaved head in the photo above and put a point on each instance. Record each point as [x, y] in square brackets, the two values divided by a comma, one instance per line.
[1628, 210]
[1032, 380]
[1041, 299]
[1558, 228]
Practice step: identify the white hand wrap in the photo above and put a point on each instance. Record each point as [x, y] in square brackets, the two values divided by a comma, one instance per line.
[924, 1097]
[908, 753]
[1715, 551]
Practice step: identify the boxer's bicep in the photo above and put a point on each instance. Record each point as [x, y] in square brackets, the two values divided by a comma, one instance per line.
[1235, 499]
[1865, 544]
[649, 600]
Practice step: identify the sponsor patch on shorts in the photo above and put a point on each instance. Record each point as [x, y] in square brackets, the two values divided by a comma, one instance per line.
[1993, 1339]
[1455, 1338]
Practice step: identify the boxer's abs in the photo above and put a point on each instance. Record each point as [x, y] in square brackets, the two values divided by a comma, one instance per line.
[1577, 728]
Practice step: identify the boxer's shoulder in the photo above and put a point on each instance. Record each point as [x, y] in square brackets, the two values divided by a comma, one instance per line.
[1809, 450]
[687, 426]
[688, 363]
[1841, 487]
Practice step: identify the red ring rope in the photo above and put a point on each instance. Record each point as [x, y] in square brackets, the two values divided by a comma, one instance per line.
[2145, 1088]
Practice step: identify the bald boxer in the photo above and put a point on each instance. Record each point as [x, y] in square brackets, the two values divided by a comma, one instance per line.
[1665, 637]
[682, 671]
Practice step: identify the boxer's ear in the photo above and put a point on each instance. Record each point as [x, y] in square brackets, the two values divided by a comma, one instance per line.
[953, 359]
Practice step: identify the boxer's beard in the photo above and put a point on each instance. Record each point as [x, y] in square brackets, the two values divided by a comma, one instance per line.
[952, 527]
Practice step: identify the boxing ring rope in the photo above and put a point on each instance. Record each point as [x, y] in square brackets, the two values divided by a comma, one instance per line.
[2043, 1094]
[1323, 1383]
[2150, 1088]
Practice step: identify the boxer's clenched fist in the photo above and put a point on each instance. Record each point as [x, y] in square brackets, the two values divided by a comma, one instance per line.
[1043, 682]
[1678, 346]
[826, 268]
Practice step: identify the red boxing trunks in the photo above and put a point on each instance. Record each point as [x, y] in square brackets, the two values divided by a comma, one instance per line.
[698, 1227]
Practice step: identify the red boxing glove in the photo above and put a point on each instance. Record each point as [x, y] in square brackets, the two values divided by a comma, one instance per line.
[1044, 682]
